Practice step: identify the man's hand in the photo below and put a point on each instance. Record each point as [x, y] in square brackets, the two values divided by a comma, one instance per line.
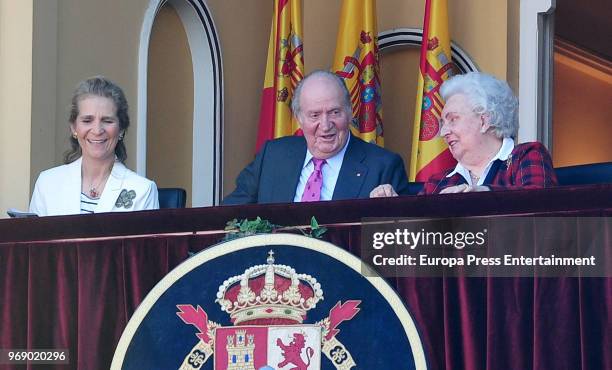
[462, 188]
[381, 191]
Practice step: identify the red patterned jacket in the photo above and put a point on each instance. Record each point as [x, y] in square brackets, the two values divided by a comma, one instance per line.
[528, 167]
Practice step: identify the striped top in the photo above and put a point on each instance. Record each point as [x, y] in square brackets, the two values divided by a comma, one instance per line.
[88, 205]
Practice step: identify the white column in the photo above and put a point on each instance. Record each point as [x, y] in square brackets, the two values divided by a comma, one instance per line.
[208, 107]
[529, 66]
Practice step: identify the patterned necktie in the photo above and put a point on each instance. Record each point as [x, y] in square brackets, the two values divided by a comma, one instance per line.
[312, 191]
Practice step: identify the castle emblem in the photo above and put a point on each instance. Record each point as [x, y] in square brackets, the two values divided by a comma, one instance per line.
[268, 306]
[240, 354]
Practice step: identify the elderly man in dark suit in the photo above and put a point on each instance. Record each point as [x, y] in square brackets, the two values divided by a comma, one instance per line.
[327, 163]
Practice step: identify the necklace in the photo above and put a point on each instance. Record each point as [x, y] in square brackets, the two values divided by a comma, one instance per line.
[474, 178]
[94, 193]
[93, 190]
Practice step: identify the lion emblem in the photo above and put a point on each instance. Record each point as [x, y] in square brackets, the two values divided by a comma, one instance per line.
[292, 352]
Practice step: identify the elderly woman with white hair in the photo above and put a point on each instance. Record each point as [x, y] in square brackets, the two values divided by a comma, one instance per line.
[479, 123]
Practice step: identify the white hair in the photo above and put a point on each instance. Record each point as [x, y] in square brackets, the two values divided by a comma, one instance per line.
[346, 96]
[488, 96]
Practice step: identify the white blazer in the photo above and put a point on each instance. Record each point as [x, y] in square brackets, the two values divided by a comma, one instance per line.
[58, 191]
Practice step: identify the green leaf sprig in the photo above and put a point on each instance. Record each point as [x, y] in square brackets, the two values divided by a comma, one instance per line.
[245, 227]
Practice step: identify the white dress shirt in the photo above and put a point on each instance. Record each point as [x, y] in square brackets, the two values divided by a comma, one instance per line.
[503, 154]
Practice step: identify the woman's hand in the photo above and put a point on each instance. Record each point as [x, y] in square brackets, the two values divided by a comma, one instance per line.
[384, 190]
[462, 188]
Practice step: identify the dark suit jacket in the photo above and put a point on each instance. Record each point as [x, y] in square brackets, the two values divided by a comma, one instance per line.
[274, 174]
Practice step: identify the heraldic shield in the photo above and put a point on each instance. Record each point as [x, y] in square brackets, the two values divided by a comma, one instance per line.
[278, 301]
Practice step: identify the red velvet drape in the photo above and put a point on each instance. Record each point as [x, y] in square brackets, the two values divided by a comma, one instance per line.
[80, 295]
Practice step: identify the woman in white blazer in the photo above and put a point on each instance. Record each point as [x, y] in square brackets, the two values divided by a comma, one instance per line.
[94, 178]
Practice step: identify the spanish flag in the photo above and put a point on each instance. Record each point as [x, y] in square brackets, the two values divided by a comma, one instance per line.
[285, 68]
[357, 62]
[430, 153]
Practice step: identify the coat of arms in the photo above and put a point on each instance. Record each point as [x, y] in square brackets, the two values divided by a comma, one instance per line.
[309, 305]
[268, 307]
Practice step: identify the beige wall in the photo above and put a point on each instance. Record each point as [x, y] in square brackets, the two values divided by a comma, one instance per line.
[480, 27]
[16, 25]
[399, 85]
[244, 29]
[513, 46]
[581, 112]
[44, 87]
[97, 38]
[170, 104]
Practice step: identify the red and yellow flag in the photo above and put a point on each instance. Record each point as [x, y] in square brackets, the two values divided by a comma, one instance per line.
[356, 61]
[285, 68]
[430, 153]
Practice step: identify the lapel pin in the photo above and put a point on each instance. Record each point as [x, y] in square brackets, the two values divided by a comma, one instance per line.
[125, 199]
[358, 174]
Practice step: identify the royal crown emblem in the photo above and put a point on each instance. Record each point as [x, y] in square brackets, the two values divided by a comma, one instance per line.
[268, 304]
[269, 292]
